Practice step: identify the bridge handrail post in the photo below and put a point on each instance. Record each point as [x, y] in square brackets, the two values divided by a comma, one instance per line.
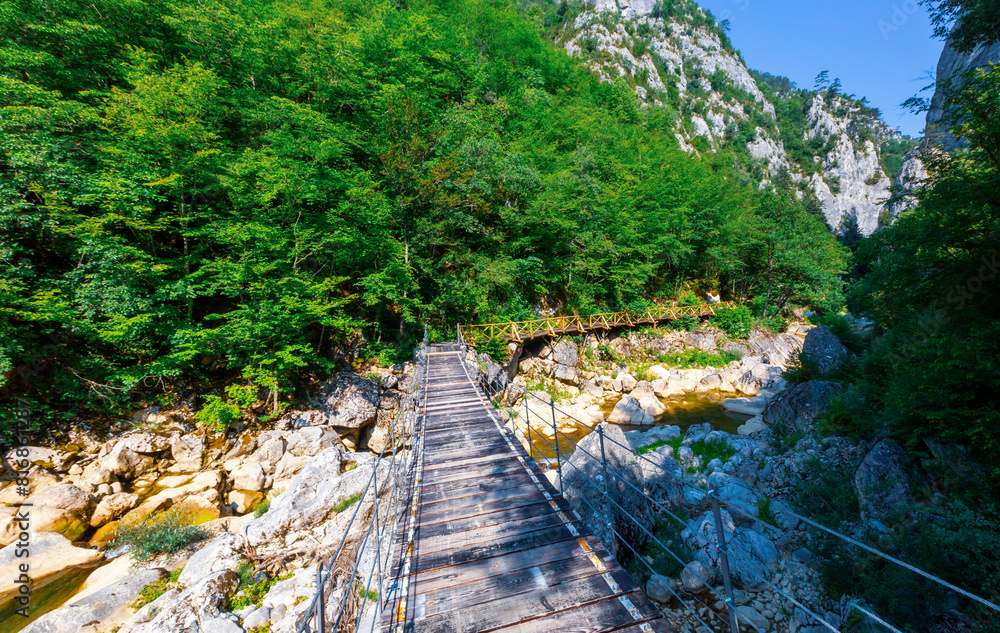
[321, 603]
[555, 438]
[604, 466]
[527, 422]
[724, 563]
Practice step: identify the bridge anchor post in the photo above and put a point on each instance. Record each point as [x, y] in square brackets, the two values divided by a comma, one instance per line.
[724, 561]
[607, 494]
[527, 421]
[555, 433]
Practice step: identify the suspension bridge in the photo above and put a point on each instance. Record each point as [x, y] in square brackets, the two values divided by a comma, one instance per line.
[491, 545]
[466, 534]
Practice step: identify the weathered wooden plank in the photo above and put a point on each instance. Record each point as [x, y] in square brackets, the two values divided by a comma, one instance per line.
[473, 505]
[444, 437]
[462, 458]
[509, 517]
[597, 617]
[507, 465]
[474, 537]
[525, 608]
[463, 488]
[488, 549]
[512, 583]
[482, 569]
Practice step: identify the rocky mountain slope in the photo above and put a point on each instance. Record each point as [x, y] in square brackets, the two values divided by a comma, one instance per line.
[827, 145]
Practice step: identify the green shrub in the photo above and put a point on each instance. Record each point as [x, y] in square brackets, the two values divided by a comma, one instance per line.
[693, 358]
[735, 322]
[775, 324]
[154, 590]
[160, 533]
[552, 389]
[262, 508]
[250, 593]
[217, 413]
[495, 348]
[801, 369]
[389, 354]
[674, 443]
[684, 324]
[764, 510]
[688, 298]
[347, 502]
[708, 451]
[605, 354]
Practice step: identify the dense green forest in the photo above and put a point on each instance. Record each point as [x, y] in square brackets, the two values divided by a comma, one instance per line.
[196, 193]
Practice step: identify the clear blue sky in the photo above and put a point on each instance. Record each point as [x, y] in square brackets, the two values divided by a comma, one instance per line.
[880, 49]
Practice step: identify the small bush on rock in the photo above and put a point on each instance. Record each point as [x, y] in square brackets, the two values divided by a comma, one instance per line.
[154, 590]
[262, 508]
[347, 503]
[251, 592]
[160, 533]
[692, 358]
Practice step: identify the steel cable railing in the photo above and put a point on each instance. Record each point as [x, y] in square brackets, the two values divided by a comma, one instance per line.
[386, 510]
[627, 514]
[830, 531]
[497, 393]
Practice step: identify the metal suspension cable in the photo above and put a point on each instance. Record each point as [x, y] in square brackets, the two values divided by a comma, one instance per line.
[714, 546]
[625, 512]
[638, 556]
[801, 606]
[396, 464]
[647, 532]
[831, 531]
[855, 605]
[663, 507]
[903, 564]
[394, 500]
[709, 543]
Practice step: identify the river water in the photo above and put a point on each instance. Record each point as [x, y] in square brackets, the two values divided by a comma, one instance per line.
[684, 412]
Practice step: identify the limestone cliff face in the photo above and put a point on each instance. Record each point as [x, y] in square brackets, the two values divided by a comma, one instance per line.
[910, 178]
[853, 163]
[952, 66]
[681, 59]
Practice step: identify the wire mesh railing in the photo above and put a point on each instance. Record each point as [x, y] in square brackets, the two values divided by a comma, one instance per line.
[383, 500]
[498, 393]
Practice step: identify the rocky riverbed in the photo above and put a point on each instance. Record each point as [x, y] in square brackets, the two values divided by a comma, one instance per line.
[310, 462]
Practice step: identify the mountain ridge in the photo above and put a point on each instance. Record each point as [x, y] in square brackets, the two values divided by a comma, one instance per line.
[676, 56]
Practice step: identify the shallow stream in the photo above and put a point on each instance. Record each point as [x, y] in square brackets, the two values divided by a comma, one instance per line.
[683, 412]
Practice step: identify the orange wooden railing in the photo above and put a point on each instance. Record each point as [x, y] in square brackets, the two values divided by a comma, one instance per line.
[554, 326]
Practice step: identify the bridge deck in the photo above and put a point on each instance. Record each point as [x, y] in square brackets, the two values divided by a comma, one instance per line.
[492, 545]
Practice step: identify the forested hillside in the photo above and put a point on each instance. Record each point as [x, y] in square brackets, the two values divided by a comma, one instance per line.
[202, 193]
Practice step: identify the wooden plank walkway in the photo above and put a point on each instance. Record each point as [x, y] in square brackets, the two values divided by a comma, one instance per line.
[487, 544]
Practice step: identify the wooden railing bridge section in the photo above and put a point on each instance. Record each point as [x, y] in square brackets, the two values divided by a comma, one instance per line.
[578, 324]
